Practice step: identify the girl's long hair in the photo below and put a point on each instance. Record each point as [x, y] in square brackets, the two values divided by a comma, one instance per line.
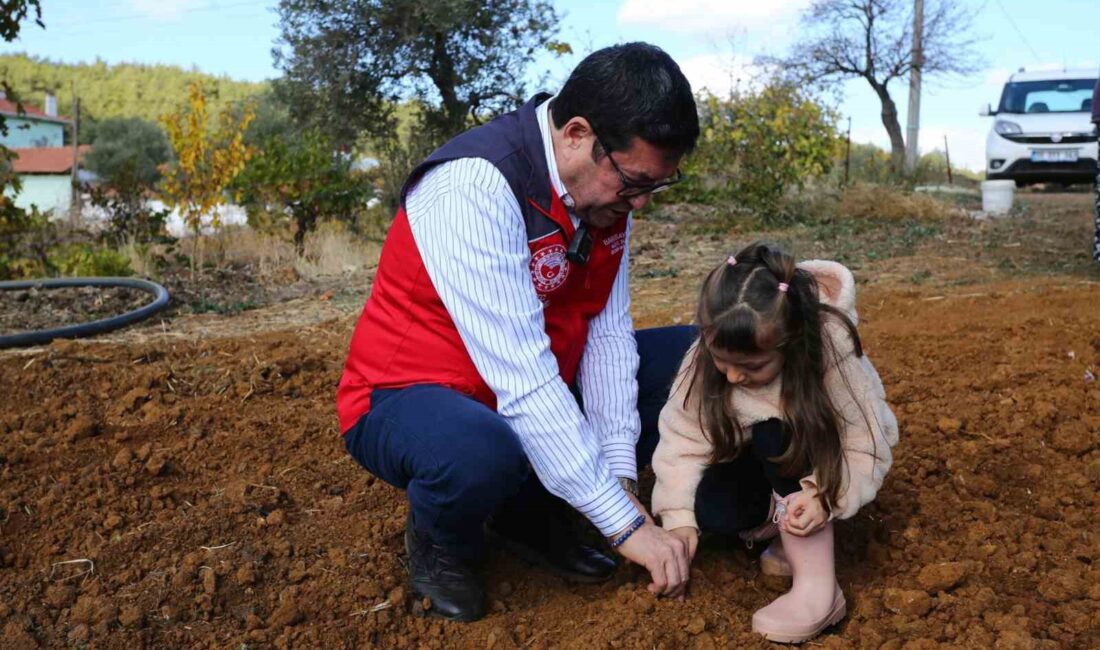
[741, 309]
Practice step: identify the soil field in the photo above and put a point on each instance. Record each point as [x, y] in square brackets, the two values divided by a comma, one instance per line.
[175, 491]
[34, 309]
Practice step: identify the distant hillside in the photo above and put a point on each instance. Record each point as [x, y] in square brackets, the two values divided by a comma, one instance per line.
[123, 90]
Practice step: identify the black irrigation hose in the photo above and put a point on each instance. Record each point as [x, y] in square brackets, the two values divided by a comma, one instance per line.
[38, 337]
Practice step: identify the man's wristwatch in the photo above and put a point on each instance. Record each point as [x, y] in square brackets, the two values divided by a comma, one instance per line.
[630, 485]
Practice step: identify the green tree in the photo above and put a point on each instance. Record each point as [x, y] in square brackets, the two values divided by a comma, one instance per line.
[756, 144]
[272, 119]
[117, 90]
[304, 179]
[128, 158]
[347, 63]
[131, 145]
[17, 228]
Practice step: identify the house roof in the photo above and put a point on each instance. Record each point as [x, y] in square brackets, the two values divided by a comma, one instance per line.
[46, 160]
[8, 107]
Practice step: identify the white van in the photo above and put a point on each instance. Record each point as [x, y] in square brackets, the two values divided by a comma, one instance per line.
[1043, 131]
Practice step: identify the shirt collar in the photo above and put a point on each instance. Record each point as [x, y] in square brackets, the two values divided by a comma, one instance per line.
[543, 114]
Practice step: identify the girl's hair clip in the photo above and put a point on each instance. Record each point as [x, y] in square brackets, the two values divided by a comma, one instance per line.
[783, 286]
[731, 260]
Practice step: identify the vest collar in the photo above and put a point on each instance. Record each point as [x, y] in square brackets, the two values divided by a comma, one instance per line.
[541, 196]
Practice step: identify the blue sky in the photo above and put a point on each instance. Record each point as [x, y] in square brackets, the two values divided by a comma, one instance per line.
[711, 39]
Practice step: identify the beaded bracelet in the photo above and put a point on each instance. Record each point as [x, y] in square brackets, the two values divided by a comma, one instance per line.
[638, 523]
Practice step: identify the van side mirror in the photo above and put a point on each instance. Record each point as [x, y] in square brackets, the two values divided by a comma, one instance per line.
[986, 110]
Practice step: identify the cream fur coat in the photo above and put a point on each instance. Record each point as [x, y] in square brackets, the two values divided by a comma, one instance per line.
[868, 427]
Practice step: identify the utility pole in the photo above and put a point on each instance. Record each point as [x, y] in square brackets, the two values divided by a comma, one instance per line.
[74, 203]
[916, 64]
[848, 151]
[947, 155]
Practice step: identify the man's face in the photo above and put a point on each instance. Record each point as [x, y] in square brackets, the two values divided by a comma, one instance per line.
[595, 184]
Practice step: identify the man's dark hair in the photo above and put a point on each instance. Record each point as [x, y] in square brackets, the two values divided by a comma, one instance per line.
[628, 90]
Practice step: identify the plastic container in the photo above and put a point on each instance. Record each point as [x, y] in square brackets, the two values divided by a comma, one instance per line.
[997, 196]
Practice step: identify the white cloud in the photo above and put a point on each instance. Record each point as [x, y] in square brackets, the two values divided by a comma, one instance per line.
[718, 73]
[707, 16]
[167, 10]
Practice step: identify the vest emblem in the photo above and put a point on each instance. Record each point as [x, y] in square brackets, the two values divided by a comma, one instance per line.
[549, 269]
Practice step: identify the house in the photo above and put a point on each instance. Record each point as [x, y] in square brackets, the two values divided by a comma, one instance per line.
[44, 164]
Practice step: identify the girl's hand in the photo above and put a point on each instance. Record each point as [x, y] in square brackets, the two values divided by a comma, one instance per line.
[805, 514]
[690, 535]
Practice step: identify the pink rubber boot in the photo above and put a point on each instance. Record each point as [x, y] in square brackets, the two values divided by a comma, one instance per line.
[815, 601]
[773, 561]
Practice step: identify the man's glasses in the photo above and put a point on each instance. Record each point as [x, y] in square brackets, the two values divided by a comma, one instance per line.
[634, 188]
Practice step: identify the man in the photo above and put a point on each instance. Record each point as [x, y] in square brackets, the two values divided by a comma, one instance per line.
[502, 286]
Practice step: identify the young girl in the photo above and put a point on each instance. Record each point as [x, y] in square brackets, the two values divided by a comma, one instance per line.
[776, 416]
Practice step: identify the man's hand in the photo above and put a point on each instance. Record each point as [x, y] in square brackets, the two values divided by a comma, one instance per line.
[663, 554]
[690, 535]
[805, 514]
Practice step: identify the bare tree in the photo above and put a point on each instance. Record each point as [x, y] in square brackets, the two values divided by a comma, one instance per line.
[872, 40]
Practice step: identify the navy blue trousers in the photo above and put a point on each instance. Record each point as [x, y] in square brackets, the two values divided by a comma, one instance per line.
[460, 463]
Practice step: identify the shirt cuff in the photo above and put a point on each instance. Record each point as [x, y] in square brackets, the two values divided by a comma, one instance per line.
[671, 519]
[622, 458]
[610, 510]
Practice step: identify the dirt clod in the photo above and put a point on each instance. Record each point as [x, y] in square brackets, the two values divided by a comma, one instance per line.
[81, 427]
[696, 625]
[60, 596]
[907, 601]
[94, 610]
[941, 577]
[950, 426]
[287, 613]
[246, 575]
[131, 616]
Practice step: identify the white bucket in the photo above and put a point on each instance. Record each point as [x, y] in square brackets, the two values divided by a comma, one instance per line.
[997, 196]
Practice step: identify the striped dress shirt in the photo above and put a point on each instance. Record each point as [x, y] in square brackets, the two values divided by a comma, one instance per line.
[470, 232]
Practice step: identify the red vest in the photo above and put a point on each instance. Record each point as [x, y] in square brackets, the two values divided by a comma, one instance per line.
[405, 336]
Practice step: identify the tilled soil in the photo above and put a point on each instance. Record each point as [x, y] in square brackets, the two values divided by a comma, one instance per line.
[196, 494]
[35, 309]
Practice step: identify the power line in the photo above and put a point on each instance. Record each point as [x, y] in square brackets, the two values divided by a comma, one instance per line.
[1018, 32]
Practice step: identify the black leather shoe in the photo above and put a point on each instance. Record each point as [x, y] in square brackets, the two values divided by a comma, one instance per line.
[449, 581]
[554, 549]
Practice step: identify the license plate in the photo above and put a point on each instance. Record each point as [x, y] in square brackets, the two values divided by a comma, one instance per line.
[1054, 155]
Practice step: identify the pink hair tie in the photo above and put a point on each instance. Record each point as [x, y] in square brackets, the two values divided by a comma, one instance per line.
[731, 260]
[783, 286]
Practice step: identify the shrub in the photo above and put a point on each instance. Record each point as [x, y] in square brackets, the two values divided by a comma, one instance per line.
[83, 260]
[25, 240]
[756, 146]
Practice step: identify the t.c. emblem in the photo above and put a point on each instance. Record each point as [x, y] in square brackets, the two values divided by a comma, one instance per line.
[549, 268]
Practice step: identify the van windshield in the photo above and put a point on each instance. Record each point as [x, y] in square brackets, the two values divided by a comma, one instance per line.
[1050, 96]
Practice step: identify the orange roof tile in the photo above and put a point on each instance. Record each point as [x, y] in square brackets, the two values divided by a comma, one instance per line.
[46, 160]
[8, 107]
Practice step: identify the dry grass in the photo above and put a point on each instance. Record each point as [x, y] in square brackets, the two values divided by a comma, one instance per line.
[332, 251]
[886, 203]
[265, 253]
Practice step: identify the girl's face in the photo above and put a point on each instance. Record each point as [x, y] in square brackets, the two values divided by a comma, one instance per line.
[751, 370]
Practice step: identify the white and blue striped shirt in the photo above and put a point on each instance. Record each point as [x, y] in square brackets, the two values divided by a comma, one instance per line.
[470, 233]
